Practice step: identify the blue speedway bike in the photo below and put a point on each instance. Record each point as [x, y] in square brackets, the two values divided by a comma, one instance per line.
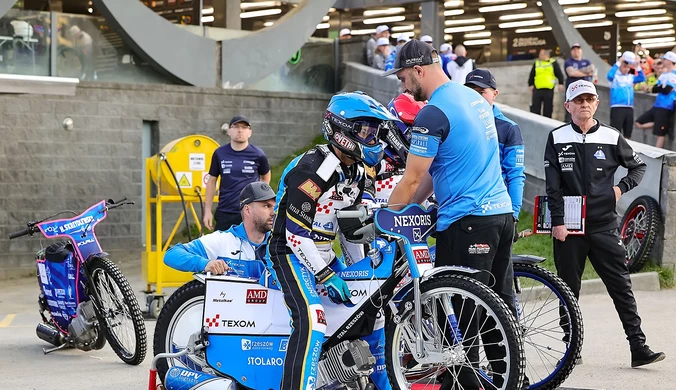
[231, 333]
[84, 298]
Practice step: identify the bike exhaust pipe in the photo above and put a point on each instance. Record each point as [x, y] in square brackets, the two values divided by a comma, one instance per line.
[50, 334]
[183, 378]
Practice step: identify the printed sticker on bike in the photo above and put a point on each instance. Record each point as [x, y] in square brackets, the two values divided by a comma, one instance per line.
[422, 256]
[413, 222]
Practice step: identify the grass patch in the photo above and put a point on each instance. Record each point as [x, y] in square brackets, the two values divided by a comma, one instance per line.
[278, 169]
[666, 274]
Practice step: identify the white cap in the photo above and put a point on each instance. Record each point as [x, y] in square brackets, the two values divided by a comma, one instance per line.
[402, 38]
[670, 56]
[426, 39]
[629, 57]
[381, 29]
[382, 41]
[445, 47]
[580, 87]
[345, 31]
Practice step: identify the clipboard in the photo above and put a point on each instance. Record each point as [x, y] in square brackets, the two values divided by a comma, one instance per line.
[575, 214]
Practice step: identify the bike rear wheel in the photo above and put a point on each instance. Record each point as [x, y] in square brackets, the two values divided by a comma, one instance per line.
[118, 311]
[181, 316]
[552, 326]
[456, 351]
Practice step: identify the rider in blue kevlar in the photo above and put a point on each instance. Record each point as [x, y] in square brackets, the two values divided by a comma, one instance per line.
[313, 186]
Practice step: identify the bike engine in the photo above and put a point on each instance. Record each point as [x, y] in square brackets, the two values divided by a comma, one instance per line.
[82, 329]
[347, 364]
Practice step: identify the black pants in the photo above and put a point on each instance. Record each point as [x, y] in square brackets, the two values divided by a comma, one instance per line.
[225, 220]
[543, 99]
[606, 253]
[622, 118]
[483, 243]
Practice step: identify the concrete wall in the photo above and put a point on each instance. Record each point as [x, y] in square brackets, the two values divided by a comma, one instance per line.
[358, 77]
[45, 169]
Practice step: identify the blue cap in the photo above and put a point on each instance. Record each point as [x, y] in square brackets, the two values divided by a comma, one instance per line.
[481, 78]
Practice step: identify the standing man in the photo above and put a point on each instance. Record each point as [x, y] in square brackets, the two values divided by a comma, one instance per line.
[401, 39]
[428, 40]
[581, 158]
[577, 68]
[446, 52]
[659, 116]
[622, 92]
[454, 153]
[382, 31]
[459, 68]
[238, 164]
[542, 80]
[509, 139]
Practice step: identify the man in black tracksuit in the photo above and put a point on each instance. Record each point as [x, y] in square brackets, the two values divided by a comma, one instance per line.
[581, 158]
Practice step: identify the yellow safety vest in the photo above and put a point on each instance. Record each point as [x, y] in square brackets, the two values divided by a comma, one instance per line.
[544, 74]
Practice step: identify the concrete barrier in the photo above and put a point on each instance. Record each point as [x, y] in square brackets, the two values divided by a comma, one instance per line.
[359, 77]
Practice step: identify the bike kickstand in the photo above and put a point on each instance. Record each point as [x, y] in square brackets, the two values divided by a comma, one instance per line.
[62, 346]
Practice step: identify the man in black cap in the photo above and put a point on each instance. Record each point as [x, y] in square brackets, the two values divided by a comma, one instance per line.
[238, 164]
[454, 153]
[577, 68]
[239, 249]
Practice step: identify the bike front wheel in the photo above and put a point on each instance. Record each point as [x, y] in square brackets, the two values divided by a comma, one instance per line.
[470, 339]
[551, 321]
[118, 311]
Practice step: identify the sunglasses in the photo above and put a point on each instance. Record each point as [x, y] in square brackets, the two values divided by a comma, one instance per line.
[579, 100]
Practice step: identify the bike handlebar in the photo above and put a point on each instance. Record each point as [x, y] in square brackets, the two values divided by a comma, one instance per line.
[21, 233]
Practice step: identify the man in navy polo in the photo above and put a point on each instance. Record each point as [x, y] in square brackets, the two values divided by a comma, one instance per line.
[238, 164]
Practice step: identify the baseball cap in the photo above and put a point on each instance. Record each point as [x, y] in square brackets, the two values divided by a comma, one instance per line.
[426, 39]
[629, 57]
[575, 45]
[381, 28]
[412, 53]
[445, 47]
[402, 38]
[238, 119]
[382, 41]
[481, 78]
[670, 56]
[345, 31]
[257, 191]
[580, 87]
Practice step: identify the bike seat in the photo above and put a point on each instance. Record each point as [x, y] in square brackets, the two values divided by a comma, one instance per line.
[58, 252]
[527, 259]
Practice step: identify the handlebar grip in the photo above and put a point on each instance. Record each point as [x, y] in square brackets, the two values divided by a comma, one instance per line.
[19, 234]
[360, 213]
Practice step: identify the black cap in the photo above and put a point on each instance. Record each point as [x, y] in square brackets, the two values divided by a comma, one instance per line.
[257, 191]
[413, 53]
[238, 119]
[481, 78]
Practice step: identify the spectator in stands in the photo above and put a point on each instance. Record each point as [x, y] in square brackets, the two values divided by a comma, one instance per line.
[382, 53]
[345, 34]
[428, 40]
[238, 164]
[577, 68]
[651, 79]
[459, 68]
[401, 40]
[446, 54]
[382, 31]
[660, 115]
[542, 80]
[622, 80]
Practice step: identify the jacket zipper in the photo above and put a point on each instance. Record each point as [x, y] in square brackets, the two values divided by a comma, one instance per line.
[584, 163]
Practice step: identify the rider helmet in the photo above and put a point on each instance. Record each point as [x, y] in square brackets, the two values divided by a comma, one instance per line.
[398, 140]
[354, 124]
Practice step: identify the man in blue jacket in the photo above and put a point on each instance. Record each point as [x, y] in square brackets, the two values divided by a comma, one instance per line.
[622, 82]
[510, 139]
[660, 115]
[238, 250]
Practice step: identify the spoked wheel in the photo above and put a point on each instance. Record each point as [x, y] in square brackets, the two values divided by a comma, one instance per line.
[180, 317]
[551, 321]
[640, 225]
[471, 339]
[118, 311]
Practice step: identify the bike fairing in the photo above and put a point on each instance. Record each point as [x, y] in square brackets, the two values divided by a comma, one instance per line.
[232, 246]
[464, 154]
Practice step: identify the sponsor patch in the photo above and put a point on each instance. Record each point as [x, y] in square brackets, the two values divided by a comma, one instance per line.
[255, 296]
[479, 249]
[600, 155]
[422, 256]
[310, 189]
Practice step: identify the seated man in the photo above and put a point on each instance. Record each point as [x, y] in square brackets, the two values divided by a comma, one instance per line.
[314, 185]
[238, 250]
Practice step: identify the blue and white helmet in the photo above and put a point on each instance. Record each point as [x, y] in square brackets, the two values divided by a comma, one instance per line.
[354, 124]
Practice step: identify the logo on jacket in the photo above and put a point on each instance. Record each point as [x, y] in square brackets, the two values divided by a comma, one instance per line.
[311, 189]
[600, 155]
